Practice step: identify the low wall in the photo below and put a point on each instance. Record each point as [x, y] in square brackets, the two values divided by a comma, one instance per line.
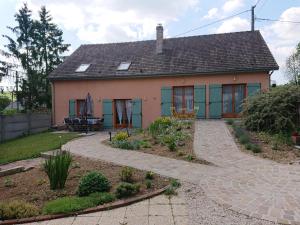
[21, 124]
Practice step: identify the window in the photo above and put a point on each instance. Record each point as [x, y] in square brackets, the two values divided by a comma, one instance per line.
[124, 65]
[123, 113]
[183, 100]
[80, 103]
[82, 68]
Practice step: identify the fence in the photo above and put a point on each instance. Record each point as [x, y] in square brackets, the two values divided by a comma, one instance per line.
[21, 124]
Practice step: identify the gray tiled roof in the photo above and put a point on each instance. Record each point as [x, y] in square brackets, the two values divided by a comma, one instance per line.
[205, 54]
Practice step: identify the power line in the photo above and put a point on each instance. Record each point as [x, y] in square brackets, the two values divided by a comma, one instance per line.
[209, 24]
[282, 21]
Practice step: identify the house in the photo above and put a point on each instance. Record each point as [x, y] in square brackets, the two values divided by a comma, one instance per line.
[132, 83]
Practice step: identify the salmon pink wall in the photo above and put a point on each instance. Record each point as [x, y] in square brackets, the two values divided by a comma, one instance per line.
[148, 89]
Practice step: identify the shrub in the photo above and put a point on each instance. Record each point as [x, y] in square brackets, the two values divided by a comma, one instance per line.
[180, 153]
[127, 144]
[120, 136]
[244, 139]
[127, 189]
[149, 175]
[145, 144]
[57, 169]
[248, 146]
[256, 148]
[274, 111]
[126, 174]
[17, 209]
[160, 124]
[238, 131]
[100, 198]
[4, 102]
[148, 184]
[9, 112]
[175, 183]
[172, 146]
[190, 157]
[68, 204]
[170, 191]
[230, 121]
[93, 182]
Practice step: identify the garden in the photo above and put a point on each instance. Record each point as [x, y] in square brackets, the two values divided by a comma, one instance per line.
[66, 184]
[270, 126]
[166, 136]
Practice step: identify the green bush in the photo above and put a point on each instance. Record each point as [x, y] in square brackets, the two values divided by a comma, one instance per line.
[256, 148]
[244, 139]
[274, 111]
[172, 146]
[145, 144]
[175, 183]
[238, 131]
[126, 174]
[93, 182]
[127, 144]
[127, 189]
[57, 169]
[9, 112]
[149, 175]
[160, 124]
[4, 102]
[190, 157]
[148, 184]
[17, 210]
[100, 198]
[230, 121]
[248, 146]
[170, 191]
[120, 136]
[68, 204]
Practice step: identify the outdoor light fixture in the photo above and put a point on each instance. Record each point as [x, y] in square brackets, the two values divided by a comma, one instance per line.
[109, 135]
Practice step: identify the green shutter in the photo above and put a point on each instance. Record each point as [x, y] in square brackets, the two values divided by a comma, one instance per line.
[166, 101]
[72, 108]
[199, 100]
[215, 101]
[253, 88]
[107, 108]
[137, 113]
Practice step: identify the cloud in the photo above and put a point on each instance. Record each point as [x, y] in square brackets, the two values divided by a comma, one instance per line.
[212, 13]
[234, 24]
[282, 38]
[113, 20]
[231, 5]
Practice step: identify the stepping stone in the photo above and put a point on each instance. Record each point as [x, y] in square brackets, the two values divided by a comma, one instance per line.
[47, 155]
[11, 171]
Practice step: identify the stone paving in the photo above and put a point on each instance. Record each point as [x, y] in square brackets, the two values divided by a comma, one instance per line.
[160, 210]
[246, 184]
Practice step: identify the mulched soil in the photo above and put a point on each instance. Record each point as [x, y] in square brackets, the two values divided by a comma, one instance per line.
[285, 154]
[33, 186]
[180, 153]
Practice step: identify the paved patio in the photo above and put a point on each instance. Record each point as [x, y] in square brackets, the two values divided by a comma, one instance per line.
[246, 184]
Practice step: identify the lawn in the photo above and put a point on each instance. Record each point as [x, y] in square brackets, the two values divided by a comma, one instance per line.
[31, 146]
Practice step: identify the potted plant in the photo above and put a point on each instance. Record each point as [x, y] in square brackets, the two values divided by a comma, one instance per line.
[296, 138]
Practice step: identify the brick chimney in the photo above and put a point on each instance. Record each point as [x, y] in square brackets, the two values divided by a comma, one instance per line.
[159, 38]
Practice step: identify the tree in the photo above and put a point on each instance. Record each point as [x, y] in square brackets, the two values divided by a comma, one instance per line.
[38, 44]
[293, 66]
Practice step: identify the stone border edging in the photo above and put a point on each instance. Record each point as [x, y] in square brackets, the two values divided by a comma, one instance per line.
[108, 206]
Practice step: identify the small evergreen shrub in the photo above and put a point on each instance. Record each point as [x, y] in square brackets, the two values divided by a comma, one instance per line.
[170, 191]
[248, 146]
[149, 175]
[127, 189]
[175, 183]
[57, 169]
[244, 139]
[126, 174]
[100, 198]
[17, 210]
[93, 182]
[120, 136]
[256, 148]
[172, 146]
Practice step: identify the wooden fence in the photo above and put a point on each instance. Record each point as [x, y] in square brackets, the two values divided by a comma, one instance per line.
[22, 124]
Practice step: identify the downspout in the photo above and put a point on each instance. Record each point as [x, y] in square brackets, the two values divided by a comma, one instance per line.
[53, 104]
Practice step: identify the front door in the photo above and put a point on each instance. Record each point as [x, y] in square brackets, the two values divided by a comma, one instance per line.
[233, 96]
[123, 113]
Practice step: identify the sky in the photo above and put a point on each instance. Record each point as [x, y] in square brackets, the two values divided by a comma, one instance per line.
[104, 21]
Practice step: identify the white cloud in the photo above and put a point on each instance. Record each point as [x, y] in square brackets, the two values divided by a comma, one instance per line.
[231, 5]
[234, 24]
[282, 38]
[113, 20]
[212, 13]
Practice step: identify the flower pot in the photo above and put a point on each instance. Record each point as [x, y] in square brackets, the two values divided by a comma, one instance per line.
[296, 139]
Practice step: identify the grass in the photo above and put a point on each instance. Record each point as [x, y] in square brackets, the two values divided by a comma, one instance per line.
[31, 146]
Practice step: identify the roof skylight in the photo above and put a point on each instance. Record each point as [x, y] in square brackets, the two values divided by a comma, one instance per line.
[124, 66]
[82, 68]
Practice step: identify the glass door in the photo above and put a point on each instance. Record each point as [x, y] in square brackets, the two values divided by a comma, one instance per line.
[123, 113]
[233, 96]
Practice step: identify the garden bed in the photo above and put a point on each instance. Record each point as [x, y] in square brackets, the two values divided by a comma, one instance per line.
[35, 188]
[274, 147]
[173, 141]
